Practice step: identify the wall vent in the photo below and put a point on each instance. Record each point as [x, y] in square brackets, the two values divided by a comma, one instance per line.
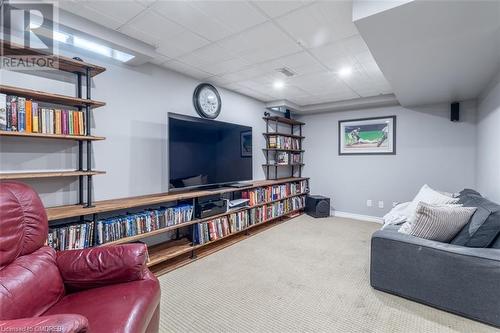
[286, 71]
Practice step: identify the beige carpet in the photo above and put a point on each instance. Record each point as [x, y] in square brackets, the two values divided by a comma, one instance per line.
[306, 275]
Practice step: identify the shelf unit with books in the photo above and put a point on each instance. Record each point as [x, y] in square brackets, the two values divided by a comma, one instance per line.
[24, 113]
[283, 149]
[269, 194]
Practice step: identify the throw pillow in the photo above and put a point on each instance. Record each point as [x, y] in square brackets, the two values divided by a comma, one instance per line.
[484, 226]
[438, 223]
[429, 196]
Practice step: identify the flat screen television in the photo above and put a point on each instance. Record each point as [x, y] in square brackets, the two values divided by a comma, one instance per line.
[203, 153]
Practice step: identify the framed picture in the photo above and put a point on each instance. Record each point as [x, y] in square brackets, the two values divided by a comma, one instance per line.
[246, 144]
[368, 136]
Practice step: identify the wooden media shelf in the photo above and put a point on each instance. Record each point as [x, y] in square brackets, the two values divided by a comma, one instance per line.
[51, 136]
[48, 174]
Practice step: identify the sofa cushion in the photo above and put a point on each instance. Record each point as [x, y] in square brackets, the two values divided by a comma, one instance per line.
[438, 223]
[496, 243]
[30, 285]
[484, 226]
[119, 308]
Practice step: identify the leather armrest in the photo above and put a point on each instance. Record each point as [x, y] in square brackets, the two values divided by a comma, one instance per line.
[96, 267]
[62, 323]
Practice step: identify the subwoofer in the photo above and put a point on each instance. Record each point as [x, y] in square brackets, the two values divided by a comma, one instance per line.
[317, 206]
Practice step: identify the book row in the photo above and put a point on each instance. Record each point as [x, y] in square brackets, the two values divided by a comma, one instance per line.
[71, 237]
[265, 194]
[115, 228]
[283, 142]
[226, 225]
[284, 158]
[24, 115]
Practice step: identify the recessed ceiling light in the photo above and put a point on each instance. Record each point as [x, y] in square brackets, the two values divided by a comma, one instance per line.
[278, 84]
[345, 71]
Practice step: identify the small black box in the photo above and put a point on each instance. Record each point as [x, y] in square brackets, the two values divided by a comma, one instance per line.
[317, 206]
[211, 207]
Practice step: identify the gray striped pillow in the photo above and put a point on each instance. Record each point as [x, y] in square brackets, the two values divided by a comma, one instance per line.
[439, 223]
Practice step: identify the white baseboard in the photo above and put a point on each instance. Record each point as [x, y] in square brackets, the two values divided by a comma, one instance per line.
[358, 216]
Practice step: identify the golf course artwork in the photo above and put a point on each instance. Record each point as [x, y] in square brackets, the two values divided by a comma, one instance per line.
[368, 136]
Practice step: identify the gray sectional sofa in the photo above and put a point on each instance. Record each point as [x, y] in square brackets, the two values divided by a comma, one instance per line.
[453, 277]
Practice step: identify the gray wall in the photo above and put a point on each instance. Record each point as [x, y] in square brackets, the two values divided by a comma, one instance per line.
[488, 142]
[430, 149]
[134, 124]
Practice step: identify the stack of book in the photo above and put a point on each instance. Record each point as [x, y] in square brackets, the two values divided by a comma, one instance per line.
[211, 230]
[264, 194]
[277, 209]
[239, 221]
[115, 228]
[71, 237]
[283, 142]
[24, 115]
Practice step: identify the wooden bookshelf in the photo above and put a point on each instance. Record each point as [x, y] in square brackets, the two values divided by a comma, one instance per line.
[16, 51]
[48, 174]
[284, 134]
[194, 221]
[165, 251]
[283, 154]
[283, 165]
[41, 96]
[284, 120]
[280, 149]
[51, 136]
[61, 212]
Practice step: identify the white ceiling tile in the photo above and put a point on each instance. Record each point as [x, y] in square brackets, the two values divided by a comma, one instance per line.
[159, 59]
[121, 12]
[192, 18]
[185, 69]
[226, 66]
[91, 14]
[320, 23]
[151, 27]
[181, 44]
[209, 54]
[261, 43]
[278, 8]
[234, 15]
[245, 74]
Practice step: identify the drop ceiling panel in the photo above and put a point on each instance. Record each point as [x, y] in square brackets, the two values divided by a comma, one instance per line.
[239, 45]
[192, 18]
[320, 23]
[278, 8]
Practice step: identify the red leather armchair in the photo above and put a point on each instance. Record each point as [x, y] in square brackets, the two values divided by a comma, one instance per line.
[105, 289]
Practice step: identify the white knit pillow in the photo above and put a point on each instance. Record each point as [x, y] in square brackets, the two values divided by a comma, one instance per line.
[429, 196]
[440, 223]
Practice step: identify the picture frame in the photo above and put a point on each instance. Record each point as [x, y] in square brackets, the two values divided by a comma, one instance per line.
[367, 136]
[246, 144]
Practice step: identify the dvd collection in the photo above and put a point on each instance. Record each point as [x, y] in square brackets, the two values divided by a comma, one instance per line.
[71, 237]
[265, 194]
[285, 158]
[115, 228]
[19, 114]
[226, 225]
[283, 142]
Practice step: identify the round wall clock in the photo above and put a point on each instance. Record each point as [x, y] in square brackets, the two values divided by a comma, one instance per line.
[206, 100]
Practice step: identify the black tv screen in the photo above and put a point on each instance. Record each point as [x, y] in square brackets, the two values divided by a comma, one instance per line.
[204, 152]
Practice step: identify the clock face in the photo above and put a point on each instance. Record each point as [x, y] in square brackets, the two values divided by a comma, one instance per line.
[207, 101]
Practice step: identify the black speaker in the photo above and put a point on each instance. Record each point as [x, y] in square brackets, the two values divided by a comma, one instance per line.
[287, 114]
[317, 206]
[455, 111]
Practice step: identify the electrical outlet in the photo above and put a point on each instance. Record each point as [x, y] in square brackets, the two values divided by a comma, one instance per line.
[380, 204]
[368, 203]
[395, 203]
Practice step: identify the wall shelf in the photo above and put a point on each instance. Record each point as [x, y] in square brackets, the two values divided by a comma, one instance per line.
[41, 96]
[52, 136]
[48, 174]
[284, 134]
[289, 150]
[283, 120]
[61, 212]
[16, 51]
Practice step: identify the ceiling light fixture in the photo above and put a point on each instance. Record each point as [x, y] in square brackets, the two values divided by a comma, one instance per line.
[278, 84]
[345, 71]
